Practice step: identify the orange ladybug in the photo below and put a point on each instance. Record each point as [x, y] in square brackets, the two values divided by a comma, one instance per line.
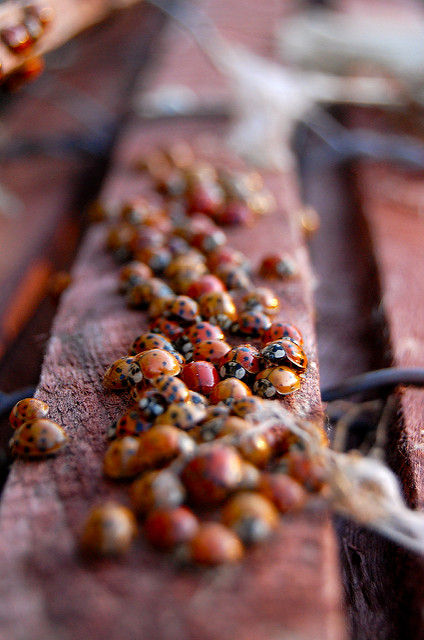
[37, 438]
[215, 544]
[155, 362]
[274, 381]
[156, 489]
[27, 409]
[252, 516]
[121, 461]
[166, 528]
[123, 373]
[108, 530]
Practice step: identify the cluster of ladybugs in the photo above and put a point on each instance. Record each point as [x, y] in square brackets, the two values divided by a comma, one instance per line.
[193, 437]
[20, 38]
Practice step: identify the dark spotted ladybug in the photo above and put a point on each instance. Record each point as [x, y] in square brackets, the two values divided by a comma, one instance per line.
[171, 329]
[171, 388]
[183, 415]
[120, 461]
[184, 309]
[280, 330]
[252, 323]
[131, 423]
[123, 373]
[251, 408]
[150, 340]
[38, 438]
[240, 362]
[210, 351]
[155, 362]
[27, 409]
[275, 381]
[285, 352]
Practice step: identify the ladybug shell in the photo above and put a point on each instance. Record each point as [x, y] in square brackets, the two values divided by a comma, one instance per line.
[131, 272]
[228, 390]
[276, 381]
[252, 323]
[204, 331]
[171, 329]
[281, 329]
[248, 407]
[159, 307]
[245, 355]
[131, 423]
[161, 444]
[262, 298]
[156, 489]
[251, 516]
[211, 351]
[37, 438]
[200, 376]
[215, 544]
[171, 388]
[157, 361]
[218, 307]
[184, 308]
[120, 461]
[295, 354]
[211, 474]
[122, 373]
[205, 284]
[27, 409]
[166, 528]
[149, 340]
[108, 530]
[184, 415]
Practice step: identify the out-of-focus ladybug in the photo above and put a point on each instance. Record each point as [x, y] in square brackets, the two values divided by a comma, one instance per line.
[283, 491]
[155, 362]
[207, 283]
[141, 294]
[251, 515]
[263, 299]
[227, 255]
[184, 309]
[275, 381]
[251, 408]
[120, 460]
[156, 489]
[27, 409]
[215, 544]
[161, 444]
[200, 376]
[241, 362]
[211, 474]
[166, 528]
[277, 266]
[182, 415]
[108, 530]
[218, 308]
[123, 373]
[38, 438]
[130, 423]
[132, 272]
[233, 277]
[171, 329]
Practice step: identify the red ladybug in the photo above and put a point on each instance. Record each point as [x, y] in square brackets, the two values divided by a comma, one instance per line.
[200, 376]
[281, 329]
[211, 351]
[240, 362]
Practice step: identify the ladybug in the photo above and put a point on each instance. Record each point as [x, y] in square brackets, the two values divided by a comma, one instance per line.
[136, 210]
[193, 259]
[150, 340]
[27, 409]
[118, 240]
[227, 255]
[251, 408]
[207, 283]
[215, 544]
[198, 333]
[108, 530]
[157, 258]
[120, 461]
[183, 415]
[275, 381]
[200, 376]
[255, 447]
[210, 240]
[233, 277]
[150, 404]
[141, 294]
[161, 444]
[184, 309]
[146, 237]
[131, 423]
[37, 438]
[228, 390]
[210, 351]
[197, 398]
[218, 308]
[122, 373]
[171, 329]
[276, 266]
[131, 273]
[212, 474]
[166, 528]
[172, 389]
[309, 472]
[156, 489]
[157, 361]
[263, 299]
[285, 352]
[235, 213]
[283, 491]
[250, 477]
[205, 197]
[159, 307]
[281, 329]
[251, 516]
[251, 323]
[240, 362]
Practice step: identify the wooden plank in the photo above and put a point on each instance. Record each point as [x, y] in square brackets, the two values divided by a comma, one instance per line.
[287, 588]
